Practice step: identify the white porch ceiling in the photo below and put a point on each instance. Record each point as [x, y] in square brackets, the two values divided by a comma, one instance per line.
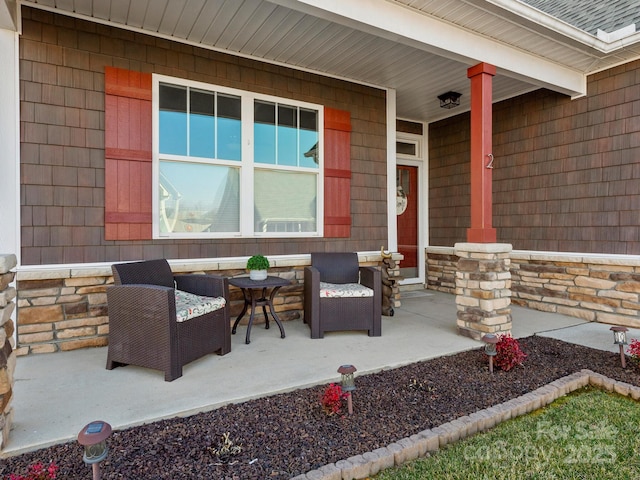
[421, 48]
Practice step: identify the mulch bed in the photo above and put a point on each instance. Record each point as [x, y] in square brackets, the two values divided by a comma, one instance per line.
[285, 435]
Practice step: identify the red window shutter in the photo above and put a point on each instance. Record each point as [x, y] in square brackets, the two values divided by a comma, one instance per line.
[127, 140]
[337, 173]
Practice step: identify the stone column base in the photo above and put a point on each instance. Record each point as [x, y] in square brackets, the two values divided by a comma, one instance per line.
[483, 289]
[7, 343]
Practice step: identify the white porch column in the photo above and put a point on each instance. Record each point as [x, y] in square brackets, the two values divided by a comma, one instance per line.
[392, 224]
[9, 206]
[10, 141]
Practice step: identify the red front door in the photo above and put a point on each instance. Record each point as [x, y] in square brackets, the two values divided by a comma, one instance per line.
[407, 215]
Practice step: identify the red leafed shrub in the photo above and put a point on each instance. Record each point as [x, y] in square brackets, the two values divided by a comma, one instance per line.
[332, 399]
[509, 353]
[37, 471]
[634, 351]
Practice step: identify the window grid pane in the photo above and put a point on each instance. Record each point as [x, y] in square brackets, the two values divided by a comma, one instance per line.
[228, 127]
[285, 201]
[198, 195]
[202, 124]
[264, 132]
[285, 135]
[173, 120]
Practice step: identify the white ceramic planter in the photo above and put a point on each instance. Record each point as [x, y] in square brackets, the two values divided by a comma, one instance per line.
[257, 274]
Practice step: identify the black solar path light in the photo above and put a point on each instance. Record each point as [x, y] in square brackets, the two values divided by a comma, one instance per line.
[620, 339]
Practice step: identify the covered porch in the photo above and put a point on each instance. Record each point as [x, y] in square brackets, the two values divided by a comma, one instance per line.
[55, 395]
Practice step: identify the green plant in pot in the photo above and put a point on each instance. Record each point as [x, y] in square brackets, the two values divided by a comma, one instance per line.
[257, 266]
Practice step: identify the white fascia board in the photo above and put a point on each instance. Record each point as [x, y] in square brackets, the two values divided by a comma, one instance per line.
[601, 44]
[403, 25]
[9, 15]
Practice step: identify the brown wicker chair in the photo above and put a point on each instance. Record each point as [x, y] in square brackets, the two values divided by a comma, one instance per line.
[143, 329]
[325, 314]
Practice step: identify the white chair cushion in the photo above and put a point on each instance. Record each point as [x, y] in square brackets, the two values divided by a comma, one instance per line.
[189, 305]
[344, 290]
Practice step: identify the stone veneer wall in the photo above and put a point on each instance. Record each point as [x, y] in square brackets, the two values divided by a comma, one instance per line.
[7, 344]
[601, 288]
[483, 289]
[66, 308]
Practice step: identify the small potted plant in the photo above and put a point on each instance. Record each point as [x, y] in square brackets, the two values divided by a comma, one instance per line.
[257, 266]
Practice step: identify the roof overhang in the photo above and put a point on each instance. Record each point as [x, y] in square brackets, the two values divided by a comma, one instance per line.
[397, 23]
[419, 48]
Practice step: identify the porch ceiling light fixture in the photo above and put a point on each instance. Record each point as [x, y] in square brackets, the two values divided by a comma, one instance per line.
[93, 437]
[490, 340]
[620, 339]
[449, 99]
[348, 383]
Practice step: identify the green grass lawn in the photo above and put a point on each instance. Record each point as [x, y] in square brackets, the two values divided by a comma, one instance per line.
[589, 434]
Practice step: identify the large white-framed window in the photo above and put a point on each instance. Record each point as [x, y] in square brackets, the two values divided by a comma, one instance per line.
[233, 163]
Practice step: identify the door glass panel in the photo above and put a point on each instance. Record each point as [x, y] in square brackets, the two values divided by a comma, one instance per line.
[407, 218]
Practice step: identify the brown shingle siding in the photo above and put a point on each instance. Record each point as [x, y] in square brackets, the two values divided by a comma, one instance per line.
[61, 236]
[37, 174]
[65, 196]
[65, 176]
[94, 216]
[72, 255]
[566, 184]
[41, 236]
[48, 255]
[69, 133]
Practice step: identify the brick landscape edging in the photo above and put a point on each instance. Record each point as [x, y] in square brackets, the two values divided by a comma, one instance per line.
[427, 441]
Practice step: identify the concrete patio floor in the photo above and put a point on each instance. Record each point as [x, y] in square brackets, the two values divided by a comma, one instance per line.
[55, 395]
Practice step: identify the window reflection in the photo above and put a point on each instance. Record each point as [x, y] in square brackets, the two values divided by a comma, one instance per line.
[201, 158]
[173, 119]
[285, 135]
[264, 131]
[202, 124]
[212, 123]
[308, 152]
[229, 127]
[285, 201]
[196, 197]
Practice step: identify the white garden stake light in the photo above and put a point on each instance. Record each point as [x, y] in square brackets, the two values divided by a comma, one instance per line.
[348, 383]
[93, 437]
[620, 339]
